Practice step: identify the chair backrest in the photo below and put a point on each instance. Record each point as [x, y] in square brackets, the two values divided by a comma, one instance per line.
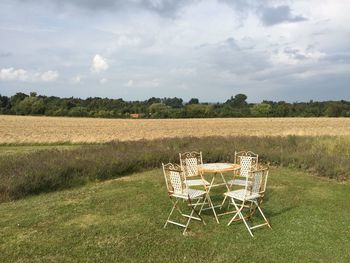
[174, 178]
[247, 160]
[257, 180]
[189, 162]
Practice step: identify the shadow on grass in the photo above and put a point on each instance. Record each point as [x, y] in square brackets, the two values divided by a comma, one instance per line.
[273, 214]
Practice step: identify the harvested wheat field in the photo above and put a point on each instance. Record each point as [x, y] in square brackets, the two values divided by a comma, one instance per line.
[29, 129]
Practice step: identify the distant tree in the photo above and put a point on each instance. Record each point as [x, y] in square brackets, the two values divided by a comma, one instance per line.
[78, 112]
[334, 109]
[193, 101]
[38, 106]
[173, 102]
[198, 110]
[4, 104]
[238, 101]
[281, 109]
[103, 114]
[225, 111]
[69, 103]
[24, 107]
[236, 106]
[158, 107]
[153, 100]
[60, 112]
[261, 109]
[19, 96]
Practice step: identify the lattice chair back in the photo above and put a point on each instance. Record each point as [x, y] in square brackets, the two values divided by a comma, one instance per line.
[257, 180]
[174, 178]
[189, 163]
[247, 160]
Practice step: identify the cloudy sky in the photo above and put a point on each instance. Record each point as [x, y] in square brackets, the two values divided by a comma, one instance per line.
[209, 49]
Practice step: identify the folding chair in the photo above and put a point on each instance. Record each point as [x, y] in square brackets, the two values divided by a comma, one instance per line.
[177, 191]
[189, 162]
[249, 198]
[248, 161]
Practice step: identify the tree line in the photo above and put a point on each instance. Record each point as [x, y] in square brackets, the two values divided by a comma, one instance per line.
[236, 106]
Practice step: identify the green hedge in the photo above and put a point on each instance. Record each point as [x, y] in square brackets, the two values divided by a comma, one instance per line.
[48, 170]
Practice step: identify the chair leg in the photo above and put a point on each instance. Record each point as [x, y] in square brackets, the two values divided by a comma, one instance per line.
[191, 215]
[261, 212]
[213, 209]
[228, 205]
[223, 202]
[198, 213]
[254, 205]
[204, 203]
[239, 213]
[223, 179]
[171, 212]
[209, 199]
[252, 210]
[210, 203]
[247, 226]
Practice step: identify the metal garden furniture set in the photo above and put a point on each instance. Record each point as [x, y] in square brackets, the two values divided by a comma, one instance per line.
[183, 181]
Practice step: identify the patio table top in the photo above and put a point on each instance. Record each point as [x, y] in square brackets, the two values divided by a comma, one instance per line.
[218, 167]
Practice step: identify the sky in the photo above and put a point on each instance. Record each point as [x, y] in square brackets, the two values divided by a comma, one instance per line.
[207, 49]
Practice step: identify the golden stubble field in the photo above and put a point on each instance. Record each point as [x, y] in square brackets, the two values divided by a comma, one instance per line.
[28, 129]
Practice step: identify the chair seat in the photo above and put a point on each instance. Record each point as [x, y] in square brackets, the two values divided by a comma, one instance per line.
[237, 182]
[196, 182]
[192, 193]
[240, 195]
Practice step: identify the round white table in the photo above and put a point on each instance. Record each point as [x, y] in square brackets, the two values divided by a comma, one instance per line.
[217, 168]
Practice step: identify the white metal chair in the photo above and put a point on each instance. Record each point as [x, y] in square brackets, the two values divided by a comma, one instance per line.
[177, 191]
[248, 161]
[189, 162]
[250, 198]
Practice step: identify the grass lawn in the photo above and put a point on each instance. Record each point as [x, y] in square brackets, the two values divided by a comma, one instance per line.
[121, 220]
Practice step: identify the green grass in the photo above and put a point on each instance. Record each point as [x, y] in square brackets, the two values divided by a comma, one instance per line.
[121, 221]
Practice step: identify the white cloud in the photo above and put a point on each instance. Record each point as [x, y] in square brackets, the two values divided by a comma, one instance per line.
[293, 56]
[49, 75]
[77, 79]
[143, 83]
[103, 80]
[183, 71]
[129, 83]
[12, 74]
[99, 64]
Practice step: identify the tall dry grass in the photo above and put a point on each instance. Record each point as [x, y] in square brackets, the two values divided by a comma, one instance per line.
[49, 170]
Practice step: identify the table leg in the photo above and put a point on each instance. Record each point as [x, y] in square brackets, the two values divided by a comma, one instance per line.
[210, 203]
